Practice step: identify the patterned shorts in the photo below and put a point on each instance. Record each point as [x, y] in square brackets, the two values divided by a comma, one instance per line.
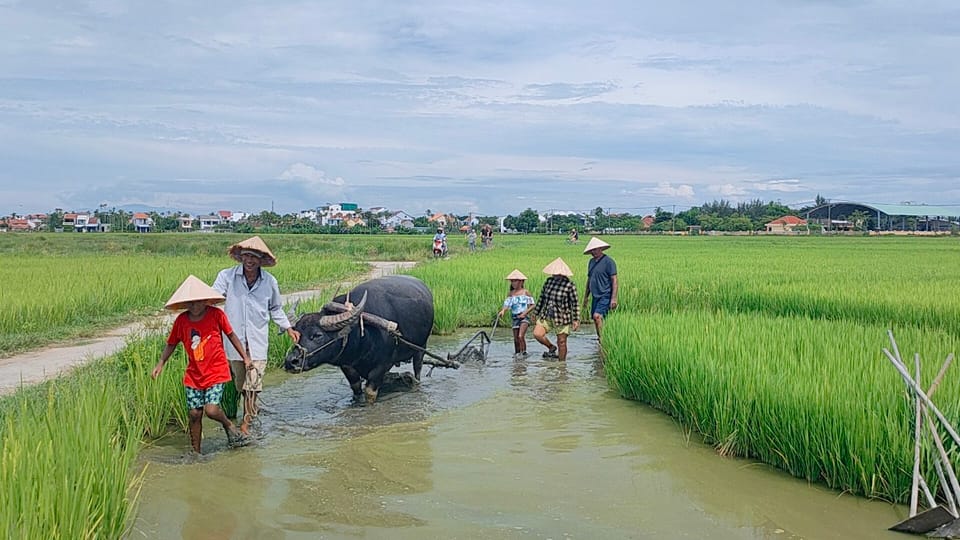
[197, 398]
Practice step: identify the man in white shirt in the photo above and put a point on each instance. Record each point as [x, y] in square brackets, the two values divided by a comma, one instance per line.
[253, 299]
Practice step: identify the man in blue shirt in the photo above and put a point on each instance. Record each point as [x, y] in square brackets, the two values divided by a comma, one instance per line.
[601, 282]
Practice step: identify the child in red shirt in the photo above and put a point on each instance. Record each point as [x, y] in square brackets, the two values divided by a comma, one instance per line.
[200, 328]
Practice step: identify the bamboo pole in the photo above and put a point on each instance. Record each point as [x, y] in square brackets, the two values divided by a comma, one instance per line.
[918, 425]
[948, 493]
[926, 400]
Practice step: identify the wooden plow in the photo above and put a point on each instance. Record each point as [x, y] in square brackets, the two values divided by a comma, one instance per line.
[937, 521]
[476, 348]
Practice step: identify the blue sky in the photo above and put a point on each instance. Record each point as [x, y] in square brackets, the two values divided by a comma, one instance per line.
[488, 107]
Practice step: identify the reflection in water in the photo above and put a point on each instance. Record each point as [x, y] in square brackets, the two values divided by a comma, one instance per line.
[529, 448]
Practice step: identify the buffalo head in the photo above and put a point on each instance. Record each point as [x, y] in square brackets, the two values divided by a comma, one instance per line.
[322, 337]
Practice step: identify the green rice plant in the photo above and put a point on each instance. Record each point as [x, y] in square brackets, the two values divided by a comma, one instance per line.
[468, 290]
[70, 476]
[54, 298]
[159, 402]
[814, 398]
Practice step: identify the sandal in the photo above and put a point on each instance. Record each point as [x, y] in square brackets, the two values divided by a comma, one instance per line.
[552, 353]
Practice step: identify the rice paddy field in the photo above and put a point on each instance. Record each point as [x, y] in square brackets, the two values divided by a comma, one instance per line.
[769, 347]
[62, 286]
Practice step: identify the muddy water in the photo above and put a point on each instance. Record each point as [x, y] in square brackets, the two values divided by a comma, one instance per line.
[506, 449]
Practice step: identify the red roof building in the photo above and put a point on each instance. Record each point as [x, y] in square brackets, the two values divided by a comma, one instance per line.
[785, 224]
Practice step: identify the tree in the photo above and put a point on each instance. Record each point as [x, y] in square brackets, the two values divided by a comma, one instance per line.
[55, 220]
[860, 220]
[528, 220]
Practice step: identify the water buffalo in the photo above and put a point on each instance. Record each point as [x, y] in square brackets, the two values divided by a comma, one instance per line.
[334, 336]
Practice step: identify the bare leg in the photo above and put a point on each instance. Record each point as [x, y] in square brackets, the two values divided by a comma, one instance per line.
[214, 412]
[238, 372]
[195, 428]
[250, 410]
[516, 341]
[598, 322]
[562, 347]
[523, 337]
[540, 334]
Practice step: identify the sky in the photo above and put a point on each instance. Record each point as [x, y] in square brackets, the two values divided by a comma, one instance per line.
[476, 106]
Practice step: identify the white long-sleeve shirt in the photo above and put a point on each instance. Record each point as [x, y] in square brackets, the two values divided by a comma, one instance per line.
[250, 309]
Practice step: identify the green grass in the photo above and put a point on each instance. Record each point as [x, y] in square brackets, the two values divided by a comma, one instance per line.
[769, 347]
[63, 286]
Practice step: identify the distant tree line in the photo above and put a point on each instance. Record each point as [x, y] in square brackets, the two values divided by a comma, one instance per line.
[718, 215]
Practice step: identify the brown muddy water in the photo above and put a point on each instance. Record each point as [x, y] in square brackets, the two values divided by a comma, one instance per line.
[502, 450]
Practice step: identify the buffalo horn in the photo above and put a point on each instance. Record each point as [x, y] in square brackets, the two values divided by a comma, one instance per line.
[332, 323]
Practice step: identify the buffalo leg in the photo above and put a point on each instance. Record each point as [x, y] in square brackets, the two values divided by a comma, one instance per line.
[417, 364]
[353, 378]
[375, 381]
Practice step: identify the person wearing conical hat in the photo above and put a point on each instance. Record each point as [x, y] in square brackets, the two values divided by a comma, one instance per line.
[601, 282]
[201, 329]
[556, 309]
[253, 300]
[519, 302]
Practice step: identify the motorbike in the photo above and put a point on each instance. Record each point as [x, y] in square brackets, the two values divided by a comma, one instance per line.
[439, 248]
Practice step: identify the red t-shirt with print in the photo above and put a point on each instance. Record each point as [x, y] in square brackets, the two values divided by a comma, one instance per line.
[206, 360]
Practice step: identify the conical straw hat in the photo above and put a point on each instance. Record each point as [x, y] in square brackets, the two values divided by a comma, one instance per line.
[193, 290]
[516, 274]
[595, 243]
[558, 267]
[254, 243]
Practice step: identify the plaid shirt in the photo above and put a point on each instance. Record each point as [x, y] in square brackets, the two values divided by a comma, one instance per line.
[558, 301]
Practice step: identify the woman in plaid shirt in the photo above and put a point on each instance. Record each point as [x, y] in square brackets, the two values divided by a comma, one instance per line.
[556, 309]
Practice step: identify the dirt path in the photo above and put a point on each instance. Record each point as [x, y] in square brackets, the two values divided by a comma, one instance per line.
[37, 366]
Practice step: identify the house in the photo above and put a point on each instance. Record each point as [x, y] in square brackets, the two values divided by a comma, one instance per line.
[186, 223]
[353, 221]
[38, 222]
[785, 224]
[18, 225]
[235, 217]
[397, 220]
[94, 224]
[141, 222]
[209, 222]
[443, 220]
[310, 215]
[80, 222]
[648, 221]
[69, 219]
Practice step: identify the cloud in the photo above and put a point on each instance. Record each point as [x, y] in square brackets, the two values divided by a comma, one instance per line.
[494, 106]
[790, 185]
[682, 191]
[728, 190]
[310, 177]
